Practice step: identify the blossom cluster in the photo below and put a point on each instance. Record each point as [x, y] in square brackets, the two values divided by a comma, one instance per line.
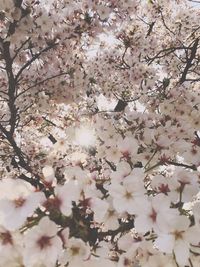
[99, 133]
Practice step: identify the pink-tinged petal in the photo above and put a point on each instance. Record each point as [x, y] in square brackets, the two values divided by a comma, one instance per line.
[125, 242]
[164, 220]
[143, 224]
[111, 223]
[181, 251]
[33, 201]
[66, 208]
[119, 204]
[142, 204]
[161, 198]
[165, 243]
[47, 227]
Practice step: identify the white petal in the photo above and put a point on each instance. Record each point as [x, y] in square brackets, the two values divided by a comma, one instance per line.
[100, 208]
[165, 243]
[142, 224]
[181, 252]
[181, 223]
[66, 208]
[47, 226]
[48, 173]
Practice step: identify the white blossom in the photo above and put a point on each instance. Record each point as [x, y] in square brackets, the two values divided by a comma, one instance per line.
[42, 245]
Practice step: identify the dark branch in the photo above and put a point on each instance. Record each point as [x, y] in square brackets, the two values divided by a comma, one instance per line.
[22, 45]
[189, 61]
[36, 56]
[21, 160]
[166, 52]
[11, 86]
[41, 82]
[192, 167]
[150, 29]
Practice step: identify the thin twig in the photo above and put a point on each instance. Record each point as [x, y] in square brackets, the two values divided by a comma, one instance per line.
[36, 56]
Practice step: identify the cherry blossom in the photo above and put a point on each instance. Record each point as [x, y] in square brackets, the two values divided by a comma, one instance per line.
[77, 252]
[131, 193]
[16, 206]
[65, 195]
[178, 239]
[99, 133]
[42, 245]
[155, 216]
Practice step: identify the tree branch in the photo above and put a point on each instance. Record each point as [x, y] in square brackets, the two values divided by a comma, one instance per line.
[11, 86]
[189, 61]
[36, 56]
[22, 162]
[22, 45]
[41, 82]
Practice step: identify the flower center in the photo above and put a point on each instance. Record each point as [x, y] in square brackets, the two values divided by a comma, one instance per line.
[74, 250]
[178, 235]
[164, 188]
[6, 238]
[153, 215]
[127, 262]
[128, 195]
[44, 241]
[19, 202]
[111, 213]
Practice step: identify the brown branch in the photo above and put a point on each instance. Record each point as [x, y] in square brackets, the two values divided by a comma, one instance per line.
[21, 46]
[164, 23]
[123, 58]
[29, 180]
[189, 61]
[123, 228]
[168, 162]
[151, 25]
[22, 162]
[11, 86]
[48, 121]
[192, 167]
[36, 56]
[16, 149]
[18, 3]
[192, 80]
[166, 52]
[41, 82]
